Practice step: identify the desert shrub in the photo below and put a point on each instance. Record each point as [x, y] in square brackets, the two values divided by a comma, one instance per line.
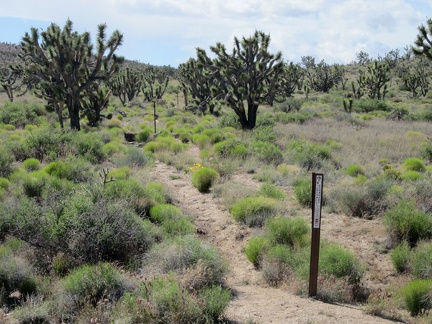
[155, 146]
[416, 295]
[201, 140]
[31, 164]
[215, 300]
[34, 183]
[271, 191]
[369, 105]
[59, 169]
[266, 152]
[121, 173]
[354, 170]
[179, 226]
[163, 212]
[426, 151]
[216, 134]
[337, 261]
[4, 183]
[112, 148]
[21, 114]
[414, 164]
[255, 249]
[289, 105]
[6, 160]
[90, 284]
[155, 194]
[405, 222]
[104, 230]
[308, 155]
[303, 191]
[230, 149]
[364, 199]
[135, 157]
[16, 274]
[291, 232]
[411, 175]
[90, 146]
[204, 178]
[297, 117]
[254, 211]
[180, 253]
[399, 256]
[33, 310]
[264, 134]
[144, 135]
[229, 119]
[421, 261]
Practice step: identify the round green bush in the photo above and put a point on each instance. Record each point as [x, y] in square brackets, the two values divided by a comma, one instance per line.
[204, 178]
[338, 261]
[271, 191]
[31, 164]
[34, 183]
[230, 149]
[354, 170]
[254, 211]
[414, 164]
[266, 152]
[255, 248]
[288, 231]
[144, 135]
[163, 212]
[417, 296]
[411, 175]
[180, 226]
[4, 183]
[201, 140]
[405, 222]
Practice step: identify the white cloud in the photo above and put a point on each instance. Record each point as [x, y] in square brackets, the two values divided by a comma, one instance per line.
[333, 30]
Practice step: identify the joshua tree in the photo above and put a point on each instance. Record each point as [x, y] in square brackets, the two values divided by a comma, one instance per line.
[249, 74]
[322, 77]
[374, 80]
[290, 80]
[62, 66]
[127, 84]
[423, 43]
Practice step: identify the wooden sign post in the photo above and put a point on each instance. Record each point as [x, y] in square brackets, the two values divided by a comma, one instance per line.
[317, 189]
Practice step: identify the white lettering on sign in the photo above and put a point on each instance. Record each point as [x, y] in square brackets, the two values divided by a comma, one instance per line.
[317, 203]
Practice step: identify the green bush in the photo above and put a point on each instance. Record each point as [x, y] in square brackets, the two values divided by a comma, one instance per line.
[90, 146]
[417, 296]
[355, 170]
[215, 300]
[414, 164]
[421, 261]
[337, 261]
[411, 175]
[31, 164]
[4, 183]
[271, 191]
[291, 232]
[204, 178]
[230, 149]
[120, 173]
[303, 191]
[400, 256]
[254, 211]
[21, 114]
[144, 135]
[255, 249]
[34, 183]
[59, 169]
[164, 212]
[136, 158]
[112, 148]
[180, 226]
[308, 155]
[405, 223]
[201, 140]
[90, 284]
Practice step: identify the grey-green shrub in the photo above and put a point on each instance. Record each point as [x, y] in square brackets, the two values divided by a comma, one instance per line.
[214, 300]
[405, 222]
[417, 296]
[182, 252]
[231, 149]
[354, 170]
[400, 256]
[254, 211]
[204, 178]
[266, 152]
[6, 160]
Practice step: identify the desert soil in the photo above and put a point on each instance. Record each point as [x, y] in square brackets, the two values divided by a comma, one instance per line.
[255, 301]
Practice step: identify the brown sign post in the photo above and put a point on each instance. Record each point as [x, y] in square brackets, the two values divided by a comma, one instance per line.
[317, 190]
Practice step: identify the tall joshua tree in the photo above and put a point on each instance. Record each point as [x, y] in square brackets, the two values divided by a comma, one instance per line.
[249, 74]
[62, 66]
[423, 43]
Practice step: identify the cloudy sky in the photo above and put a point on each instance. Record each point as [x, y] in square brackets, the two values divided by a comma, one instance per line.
[166, 32]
